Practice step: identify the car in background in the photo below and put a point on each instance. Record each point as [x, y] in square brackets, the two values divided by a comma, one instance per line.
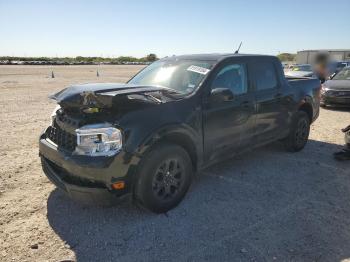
[335, 67]
[336, 91]
[288, 67]
[303, 70]
[302, 67]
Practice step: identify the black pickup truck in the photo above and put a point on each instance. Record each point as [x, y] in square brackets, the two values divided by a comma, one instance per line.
[147, 138]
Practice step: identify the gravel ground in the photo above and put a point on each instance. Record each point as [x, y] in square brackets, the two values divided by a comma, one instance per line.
[262, 206]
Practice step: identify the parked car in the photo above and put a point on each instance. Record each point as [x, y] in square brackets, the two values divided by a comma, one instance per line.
[300, 74]
[303, 70]
[303, 67]
[147, 138]
[288, 67]
[335, 67]
[336, 91]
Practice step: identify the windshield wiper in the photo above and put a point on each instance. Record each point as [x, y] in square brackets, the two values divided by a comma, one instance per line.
[155, 99]
[171, 90]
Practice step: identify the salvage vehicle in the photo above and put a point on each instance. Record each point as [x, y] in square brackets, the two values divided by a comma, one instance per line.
[147, 138]
[336, 91]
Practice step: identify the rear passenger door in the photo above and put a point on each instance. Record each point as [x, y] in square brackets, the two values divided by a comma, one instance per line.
[267, 97]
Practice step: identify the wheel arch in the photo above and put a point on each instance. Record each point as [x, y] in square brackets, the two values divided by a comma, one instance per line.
[185, 142]
[180, 136]
[306, 107]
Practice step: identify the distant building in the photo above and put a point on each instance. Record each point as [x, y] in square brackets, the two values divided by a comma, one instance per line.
[308, 56]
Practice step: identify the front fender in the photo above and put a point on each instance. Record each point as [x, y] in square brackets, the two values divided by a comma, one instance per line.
[181, 134]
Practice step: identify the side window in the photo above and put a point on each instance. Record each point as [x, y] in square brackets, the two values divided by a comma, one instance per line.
[265, 75]
[232, 76]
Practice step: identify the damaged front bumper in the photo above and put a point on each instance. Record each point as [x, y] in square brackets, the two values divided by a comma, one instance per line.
[88, 179]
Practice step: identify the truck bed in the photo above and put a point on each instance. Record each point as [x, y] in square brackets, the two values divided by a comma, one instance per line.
[309, 83]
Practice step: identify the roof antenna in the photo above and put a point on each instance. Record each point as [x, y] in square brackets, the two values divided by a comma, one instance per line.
[236, 52]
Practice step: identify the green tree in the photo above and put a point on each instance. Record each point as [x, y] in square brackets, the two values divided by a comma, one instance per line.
[284, 57]
[79, 58]
[127, 59]
[151, 58]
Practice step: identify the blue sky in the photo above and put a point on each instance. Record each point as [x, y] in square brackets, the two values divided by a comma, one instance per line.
[131, 27]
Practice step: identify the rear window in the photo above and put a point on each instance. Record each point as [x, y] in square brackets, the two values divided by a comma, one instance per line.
[265, 75]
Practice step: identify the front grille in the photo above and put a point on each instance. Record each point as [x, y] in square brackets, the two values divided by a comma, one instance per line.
[338, 93]
[61, 138]
[342, 93]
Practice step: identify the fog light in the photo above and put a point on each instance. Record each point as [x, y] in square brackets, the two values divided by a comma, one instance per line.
[118, 185]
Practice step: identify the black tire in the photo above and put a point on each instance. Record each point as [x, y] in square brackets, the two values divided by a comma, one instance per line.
[323, 105]
[299, 132]
[163, 178]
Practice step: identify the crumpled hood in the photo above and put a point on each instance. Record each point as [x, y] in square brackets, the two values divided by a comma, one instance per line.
[100, 95]
[338, 84]
[78, 89]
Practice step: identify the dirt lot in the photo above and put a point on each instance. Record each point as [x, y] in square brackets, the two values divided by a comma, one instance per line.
[262, 206]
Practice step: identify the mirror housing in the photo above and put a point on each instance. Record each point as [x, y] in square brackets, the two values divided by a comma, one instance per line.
[221, 94]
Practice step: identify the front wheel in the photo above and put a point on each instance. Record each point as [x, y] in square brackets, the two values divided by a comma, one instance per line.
[164, 177]
[299, 132]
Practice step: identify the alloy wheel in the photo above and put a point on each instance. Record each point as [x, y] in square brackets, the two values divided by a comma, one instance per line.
[168, 179]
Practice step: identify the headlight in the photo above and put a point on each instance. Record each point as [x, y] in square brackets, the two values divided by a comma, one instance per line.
[98, 140]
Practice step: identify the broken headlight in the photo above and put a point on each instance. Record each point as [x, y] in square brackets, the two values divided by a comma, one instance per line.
[98, 140]
[53, 114]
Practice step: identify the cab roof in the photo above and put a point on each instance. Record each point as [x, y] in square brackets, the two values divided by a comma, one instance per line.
[214, 56]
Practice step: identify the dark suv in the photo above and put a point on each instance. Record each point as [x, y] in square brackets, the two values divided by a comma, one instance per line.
[147, 138]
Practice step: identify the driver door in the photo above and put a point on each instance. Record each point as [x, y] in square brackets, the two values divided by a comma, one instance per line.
[229, 112]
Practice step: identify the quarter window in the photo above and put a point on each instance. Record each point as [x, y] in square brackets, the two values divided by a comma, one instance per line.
[233, 77]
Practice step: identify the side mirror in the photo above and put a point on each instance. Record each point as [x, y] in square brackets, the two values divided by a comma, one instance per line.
[220, 94]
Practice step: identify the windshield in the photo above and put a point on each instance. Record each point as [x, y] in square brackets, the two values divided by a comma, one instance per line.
[343, 75]
[184, 76]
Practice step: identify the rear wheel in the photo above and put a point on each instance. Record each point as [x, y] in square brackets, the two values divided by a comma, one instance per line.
[164, 178]
[299, 132]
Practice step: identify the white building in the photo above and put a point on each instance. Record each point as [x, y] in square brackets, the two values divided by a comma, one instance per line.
[308, 56]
